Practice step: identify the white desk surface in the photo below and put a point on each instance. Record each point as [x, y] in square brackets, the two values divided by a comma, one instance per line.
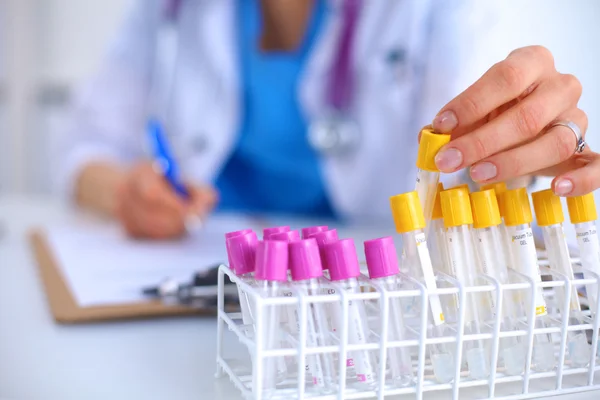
[152, 359]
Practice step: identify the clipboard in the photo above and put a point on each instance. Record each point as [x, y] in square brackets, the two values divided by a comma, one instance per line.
[65, 309]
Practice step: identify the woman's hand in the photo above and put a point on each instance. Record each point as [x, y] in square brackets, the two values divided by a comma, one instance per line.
[149, 208]
[501, 125]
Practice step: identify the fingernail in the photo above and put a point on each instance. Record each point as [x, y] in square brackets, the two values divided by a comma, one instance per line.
[483, 171]
[448, 160]
[445, 122]
[563, 187]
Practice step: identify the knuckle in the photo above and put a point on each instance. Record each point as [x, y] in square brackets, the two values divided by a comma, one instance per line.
[511, 75]
[529, 119]
[480, 147]
[542, 53]
[470, 106]
[572, 84]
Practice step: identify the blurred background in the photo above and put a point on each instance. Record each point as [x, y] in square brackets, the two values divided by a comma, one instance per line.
[48, 47]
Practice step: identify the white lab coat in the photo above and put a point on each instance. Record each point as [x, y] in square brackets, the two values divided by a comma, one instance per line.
[408, 58]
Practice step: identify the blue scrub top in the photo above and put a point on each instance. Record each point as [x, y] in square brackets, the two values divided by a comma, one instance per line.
[273, 168]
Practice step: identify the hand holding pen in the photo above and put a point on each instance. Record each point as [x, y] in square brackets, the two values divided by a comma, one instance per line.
[153, 202]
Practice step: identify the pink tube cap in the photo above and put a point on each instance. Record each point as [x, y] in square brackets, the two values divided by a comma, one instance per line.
[305, 260]
[322, 238]
[342, 260]
[267, 232]
[306, 232]
[289, 236]
[242, 252]
[271, 260]
[230, 235]
[382, 258]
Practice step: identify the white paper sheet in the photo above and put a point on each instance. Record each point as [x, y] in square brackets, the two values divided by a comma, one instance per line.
[102, 266]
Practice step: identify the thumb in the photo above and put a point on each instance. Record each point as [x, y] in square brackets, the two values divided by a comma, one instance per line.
[202, 199]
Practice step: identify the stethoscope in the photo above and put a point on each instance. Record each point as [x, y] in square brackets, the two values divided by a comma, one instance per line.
[334, 131]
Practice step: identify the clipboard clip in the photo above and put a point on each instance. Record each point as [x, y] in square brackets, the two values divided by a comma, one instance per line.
[200, 292]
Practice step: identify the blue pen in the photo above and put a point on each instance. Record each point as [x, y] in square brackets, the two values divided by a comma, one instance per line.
[164, 158]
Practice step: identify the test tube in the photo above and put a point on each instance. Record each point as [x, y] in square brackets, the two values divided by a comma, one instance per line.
[322, 238]
[410, 223]
[241, 251]
[267, 232]
[428, 175]
[517, 217]
[288, 317]
[344, 269]
[270, 273]
[550, 217]
[306, 232]
[305, 264]
[437, 239]
[458, 218]
[583, 215]
[382, 262]
[499, 188]
[487, 236]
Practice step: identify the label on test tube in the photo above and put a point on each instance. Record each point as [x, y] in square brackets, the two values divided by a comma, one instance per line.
[587, 239]
[429, 277]
[525, 258]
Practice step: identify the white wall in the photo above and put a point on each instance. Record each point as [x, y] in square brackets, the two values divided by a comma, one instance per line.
[48, 47]
[58, 43]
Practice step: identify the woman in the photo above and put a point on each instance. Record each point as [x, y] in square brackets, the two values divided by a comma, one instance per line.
[311, 107]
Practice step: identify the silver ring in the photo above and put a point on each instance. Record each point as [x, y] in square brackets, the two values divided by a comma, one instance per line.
[580, 146]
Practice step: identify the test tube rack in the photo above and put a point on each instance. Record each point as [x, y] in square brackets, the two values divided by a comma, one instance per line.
[563, 379]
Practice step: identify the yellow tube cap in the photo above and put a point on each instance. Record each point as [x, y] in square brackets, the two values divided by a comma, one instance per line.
[407, 212]
[429, 146]
[437, 204]
[582, 208]
[456, 207]
[499, 188]
[548, 210]
[485, 209]
[516, 207]
[463, 186]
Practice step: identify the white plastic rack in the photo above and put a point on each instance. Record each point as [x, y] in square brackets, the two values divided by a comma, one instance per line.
[249, 380]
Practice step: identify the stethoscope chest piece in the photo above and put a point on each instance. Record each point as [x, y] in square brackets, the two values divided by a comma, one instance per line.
[334, 134]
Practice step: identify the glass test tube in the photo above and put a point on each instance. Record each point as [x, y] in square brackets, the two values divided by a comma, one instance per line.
[499, 188]
[271, 271]
[322, 238]
[518, 219]
[437, 238]
[382, 262]
[344, 269]
[458, 217]
[489, 248]
[410, 222]
[241, 249]
[549, 215]
[305, 265]
[428, 174]
[583, 215]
